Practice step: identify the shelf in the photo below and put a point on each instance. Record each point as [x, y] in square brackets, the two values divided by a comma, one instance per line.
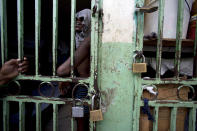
[169, 42]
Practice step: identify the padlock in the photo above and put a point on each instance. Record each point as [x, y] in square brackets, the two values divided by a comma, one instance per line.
[96, 115]
[139, 67]
[77, 110]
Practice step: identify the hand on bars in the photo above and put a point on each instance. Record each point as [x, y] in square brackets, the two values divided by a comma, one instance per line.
[12, 68]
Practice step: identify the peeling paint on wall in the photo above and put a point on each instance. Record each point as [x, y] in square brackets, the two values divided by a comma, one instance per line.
[118, 21]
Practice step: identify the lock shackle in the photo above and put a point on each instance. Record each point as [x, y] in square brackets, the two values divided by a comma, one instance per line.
[74, 101]
[139, 56]
[93, 97]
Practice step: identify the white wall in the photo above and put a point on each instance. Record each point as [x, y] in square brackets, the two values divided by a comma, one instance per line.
[118, 20]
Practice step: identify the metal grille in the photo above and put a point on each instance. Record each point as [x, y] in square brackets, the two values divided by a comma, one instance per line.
[174, 105]
[90, 81]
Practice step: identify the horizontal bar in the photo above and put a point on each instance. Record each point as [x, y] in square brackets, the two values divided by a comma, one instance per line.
[155, 123]
[6, 112]
[37, 33]
[37, 99]
[55, 117]
[21, 116]
[169, 81]
[173, 119]
[72, 46]
[171, 103]
[20, 20]
[179, 33]
[3, 27]
[38, 117]
[48, 78]
[55, 34]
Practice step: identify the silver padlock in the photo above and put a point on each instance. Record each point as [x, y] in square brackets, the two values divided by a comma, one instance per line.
[77, 110]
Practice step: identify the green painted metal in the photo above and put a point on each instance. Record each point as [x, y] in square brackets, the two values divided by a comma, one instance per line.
[38, 117]
[160, 36]
[173, 119]
[6, 115]
[55, 34]
[21, 116]
[73, 22]
[179, 37]
[55, 117]
[20, 20]
[3, 18]
[155, 124]
[192, 119]
[37, 33]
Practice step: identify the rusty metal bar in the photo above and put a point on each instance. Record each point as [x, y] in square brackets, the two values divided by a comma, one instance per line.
[155, 123]
[6, 113]
[38, 117]
[160, 37]
[173, 119]
[3, 27]
[55, 117]
[20, 20]
[72, 46]
[37, 33]
[21, 116]
[55, 34]
[179, 37]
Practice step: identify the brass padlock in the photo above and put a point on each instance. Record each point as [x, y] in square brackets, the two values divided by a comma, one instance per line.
[96, 115]
[139, 67]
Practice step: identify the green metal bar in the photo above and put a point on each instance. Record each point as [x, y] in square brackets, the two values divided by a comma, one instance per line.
[173, 119]
[37, 33]
[155, 123]
[192, 119]
[55, 117]
[3, 18]
[160, 37]
[140, 31]
[21, 116]
[179, 37]
[37, 99]
[171, 103]
[20, 20]
[73, 22]
[48, 78]
[6, 112]
[195, 42]
[170, 81]
[55, 34]
[38, 117]
[72, 124]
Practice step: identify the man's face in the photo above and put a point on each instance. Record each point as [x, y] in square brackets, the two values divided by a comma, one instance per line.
[79, 25]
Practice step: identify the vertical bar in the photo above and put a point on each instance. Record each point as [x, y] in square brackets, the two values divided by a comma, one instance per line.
[37, 33]
[20, 20]
[173, 119]
[72, 124]
[3, 27]
[5, 115]
[55, 117]
[155, 123]
[21, 116]
[195, 56]
[73, 22]
[179, 37]
[160, 37]
[55, 34]
[38, 117]
[192, 119]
